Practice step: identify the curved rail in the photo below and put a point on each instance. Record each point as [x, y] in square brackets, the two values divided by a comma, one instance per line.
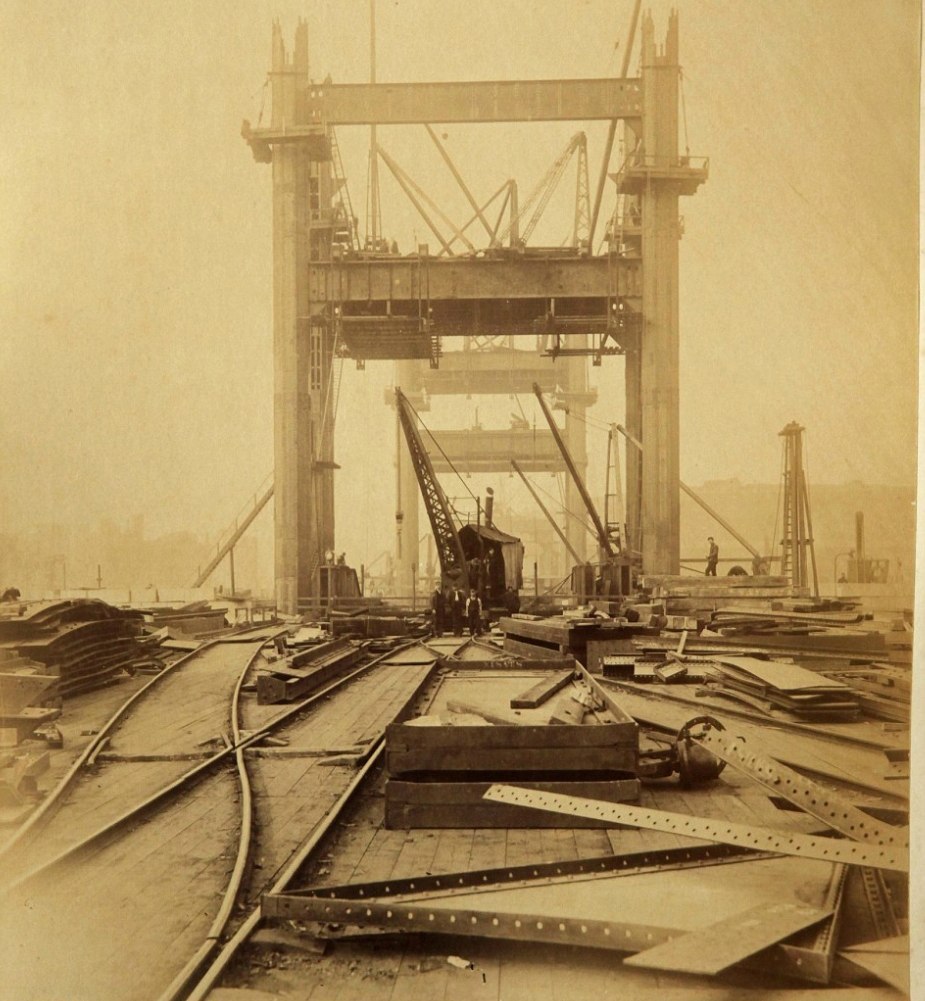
[235, 881]
[93, 748]
[186, 779]
[208, 979]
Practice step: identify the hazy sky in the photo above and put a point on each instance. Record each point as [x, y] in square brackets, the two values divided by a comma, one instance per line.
[135, 246]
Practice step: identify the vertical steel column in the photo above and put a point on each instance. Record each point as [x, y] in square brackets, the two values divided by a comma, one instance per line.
[661, 516]
[576, 382]
[302, 342]
[322, 387]
[632, 373]
[292, 445]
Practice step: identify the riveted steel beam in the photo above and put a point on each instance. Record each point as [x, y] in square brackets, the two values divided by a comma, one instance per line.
[708, 829]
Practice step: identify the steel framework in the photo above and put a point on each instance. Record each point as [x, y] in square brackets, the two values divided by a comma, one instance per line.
[625, 300]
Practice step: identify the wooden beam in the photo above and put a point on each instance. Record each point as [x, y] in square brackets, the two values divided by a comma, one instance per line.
[544, 689]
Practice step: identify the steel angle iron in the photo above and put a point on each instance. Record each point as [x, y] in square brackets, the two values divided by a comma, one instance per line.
[814, 799]
[709, 829]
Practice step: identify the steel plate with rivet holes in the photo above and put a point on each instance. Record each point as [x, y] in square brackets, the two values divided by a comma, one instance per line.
[829, 807]
[759, 838]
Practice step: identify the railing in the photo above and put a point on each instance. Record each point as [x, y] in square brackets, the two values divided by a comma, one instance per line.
[644, 161]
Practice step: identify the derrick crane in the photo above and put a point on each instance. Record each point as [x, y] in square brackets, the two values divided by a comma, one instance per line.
[479, 556]
[541, 194]
[616, 564]
[449, 547]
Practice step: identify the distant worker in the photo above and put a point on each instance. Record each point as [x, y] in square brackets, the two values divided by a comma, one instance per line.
[474, 613]
[11, 594]
[438, 605]
[457, 610]
[342, 560]
[712, 558]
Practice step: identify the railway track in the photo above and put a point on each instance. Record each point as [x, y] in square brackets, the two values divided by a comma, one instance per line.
[131, 876]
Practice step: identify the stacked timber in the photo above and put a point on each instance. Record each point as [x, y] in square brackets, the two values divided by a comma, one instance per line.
[589, 639]
[81, 643]
[743, 587]
[823, 632]
[361, 623]
[554, 731]
[760, 683]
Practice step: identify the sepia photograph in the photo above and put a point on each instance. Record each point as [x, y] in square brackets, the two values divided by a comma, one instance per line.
[458, 500]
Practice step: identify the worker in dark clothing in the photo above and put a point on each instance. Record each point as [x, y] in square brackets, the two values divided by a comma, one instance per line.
[438, 606]
[474, 569]
[712, 558]
[474, 613]
[457, 610]
[511, 601]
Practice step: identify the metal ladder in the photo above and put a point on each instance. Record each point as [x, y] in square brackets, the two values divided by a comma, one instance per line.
[343, 192]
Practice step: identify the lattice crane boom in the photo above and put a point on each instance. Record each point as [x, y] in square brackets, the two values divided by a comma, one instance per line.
[449, 547]
[541, 194]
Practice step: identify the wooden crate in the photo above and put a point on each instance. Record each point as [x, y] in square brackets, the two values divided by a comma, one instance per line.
[410, 805]
[610, 747]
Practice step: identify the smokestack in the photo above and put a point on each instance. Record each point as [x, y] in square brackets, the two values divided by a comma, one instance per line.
[489, 506]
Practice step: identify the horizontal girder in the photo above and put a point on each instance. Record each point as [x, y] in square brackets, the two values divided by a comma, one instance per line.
[489, 451]
[464, 101]
[363, 280]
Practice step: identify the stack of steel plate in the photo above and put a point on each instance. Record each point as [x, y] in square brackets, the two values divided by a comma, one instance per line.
[884, 690]
[83, 643]
[804, 694]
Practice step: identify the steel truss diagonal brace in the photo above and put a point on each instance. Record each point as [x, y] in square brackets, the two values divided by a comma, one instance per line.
[760, 838]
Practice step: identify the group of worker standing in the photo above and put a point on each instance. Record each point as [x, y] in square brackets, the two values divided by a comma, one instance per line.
[453, 609]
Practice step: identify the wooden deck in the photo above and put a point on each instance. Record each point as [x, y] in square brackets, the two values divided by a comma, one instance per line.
[394, 968]
[182, 712]
[120, 924]
[415, 967]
